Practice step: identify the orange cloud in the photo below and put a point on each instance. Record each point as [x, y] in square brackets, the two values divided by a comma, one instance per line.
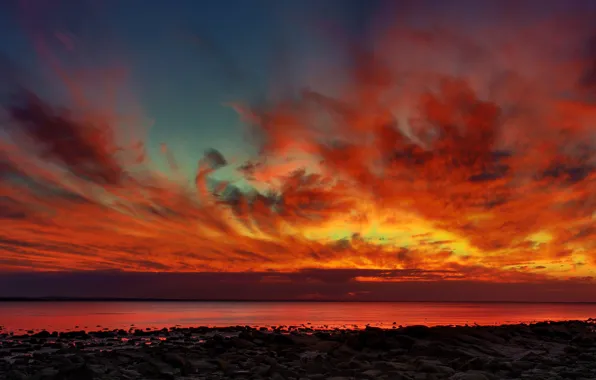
[444, 156]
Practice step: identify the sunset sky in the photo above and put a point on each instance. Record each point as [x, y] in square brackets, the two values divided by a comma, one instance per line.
[298, 149]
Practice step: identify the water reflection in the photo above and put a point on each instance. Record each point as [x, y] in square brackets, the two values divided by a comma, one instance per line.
[60, 316]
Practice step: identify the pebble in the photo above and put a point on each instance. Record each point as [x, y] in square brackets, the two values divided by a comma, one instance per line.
[547, 351]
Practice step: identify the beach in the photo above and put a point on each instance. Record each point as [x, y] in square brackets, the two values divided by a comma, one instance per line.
[544, 350]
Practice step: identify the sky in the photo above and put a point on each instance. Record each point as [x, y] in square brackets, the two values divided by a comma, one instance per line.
[298, 149]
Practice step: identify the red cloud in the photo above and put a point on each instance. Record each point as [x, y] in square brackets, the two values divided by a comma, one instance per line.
[443, 157]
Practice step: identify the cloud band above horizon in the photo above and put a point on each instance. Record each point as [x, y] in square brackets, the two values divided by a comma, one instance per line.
[432, 154]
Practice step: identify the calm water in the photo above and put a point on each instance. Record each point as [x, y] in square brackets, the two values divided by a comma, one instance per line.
[59, 316]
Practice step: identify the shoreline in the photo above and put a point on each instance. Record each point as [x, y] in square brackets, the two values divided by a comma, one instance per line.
[218, 300]
[543, 350]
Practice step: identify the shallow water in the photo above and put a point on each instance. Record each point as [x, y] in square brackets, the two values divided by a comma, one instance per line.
[61, 316]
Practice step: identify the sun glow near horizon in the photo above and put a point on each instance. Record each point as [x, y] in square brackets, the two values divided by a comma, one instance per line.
[439, 155]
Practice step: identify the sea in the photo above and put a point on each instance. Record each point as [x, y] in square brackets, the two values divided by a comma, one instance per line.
[91, 316]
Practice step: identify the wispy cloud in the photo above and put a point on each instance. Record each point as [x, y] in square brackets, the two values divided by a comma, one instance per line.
[442, 156]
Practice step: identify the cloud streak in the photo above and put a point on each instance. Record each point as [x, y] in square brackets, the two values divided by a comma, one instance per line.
[440, 156]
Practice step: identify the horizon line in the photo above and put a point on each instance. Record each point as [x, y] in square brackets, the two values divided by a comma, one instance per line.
[281, 300]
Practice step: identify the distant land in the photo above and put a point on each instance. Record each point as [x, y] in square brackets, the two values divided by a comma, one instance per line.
[328, 285]
[121, 299]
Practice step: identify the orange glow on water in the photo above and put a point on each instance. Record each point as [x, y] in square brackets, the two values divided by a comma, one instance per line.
[141, 315]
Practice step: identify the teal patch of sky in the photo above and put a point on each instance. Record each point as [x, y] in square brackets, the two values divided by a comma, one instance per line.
[181, 60]
[187, 58]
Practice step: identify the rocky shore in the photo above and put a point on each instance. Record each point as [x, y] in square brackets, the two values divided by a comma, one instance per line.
[555, 350]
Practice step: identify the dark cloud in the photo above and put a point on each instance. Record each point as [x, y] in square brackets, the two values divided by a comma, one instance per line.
[214, 159]
[568, 173]
[11, 209]
[459, 170]
[251, 286]
[84, 149]
[588, 79]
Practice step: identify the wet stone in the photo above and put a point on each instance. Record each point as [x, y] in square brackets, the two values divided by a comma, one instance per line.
[240, 352]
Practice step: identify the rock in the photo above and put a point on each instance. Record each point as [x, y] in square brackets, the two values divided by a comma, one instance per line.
[404, 341]
[199, 365]
[315, 366]
[469, 376]
[473, 363]
[416, 331]
[243, 343]
[325, 346]
[240, 372]
[15, 375]
[175, 360]
[75, 372]
[45, 374]
[432, 367]
[282, 339]
[532, 356]
[156, 368]
[263, 369]
[129, 373]
[523, 352]
[523, 365]
[372, 373]
[486, 335]
[75, 335]
[583, 340]
[371, 339]
[398, 376]
[385, 366]
[270, 360]
[43, 334]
